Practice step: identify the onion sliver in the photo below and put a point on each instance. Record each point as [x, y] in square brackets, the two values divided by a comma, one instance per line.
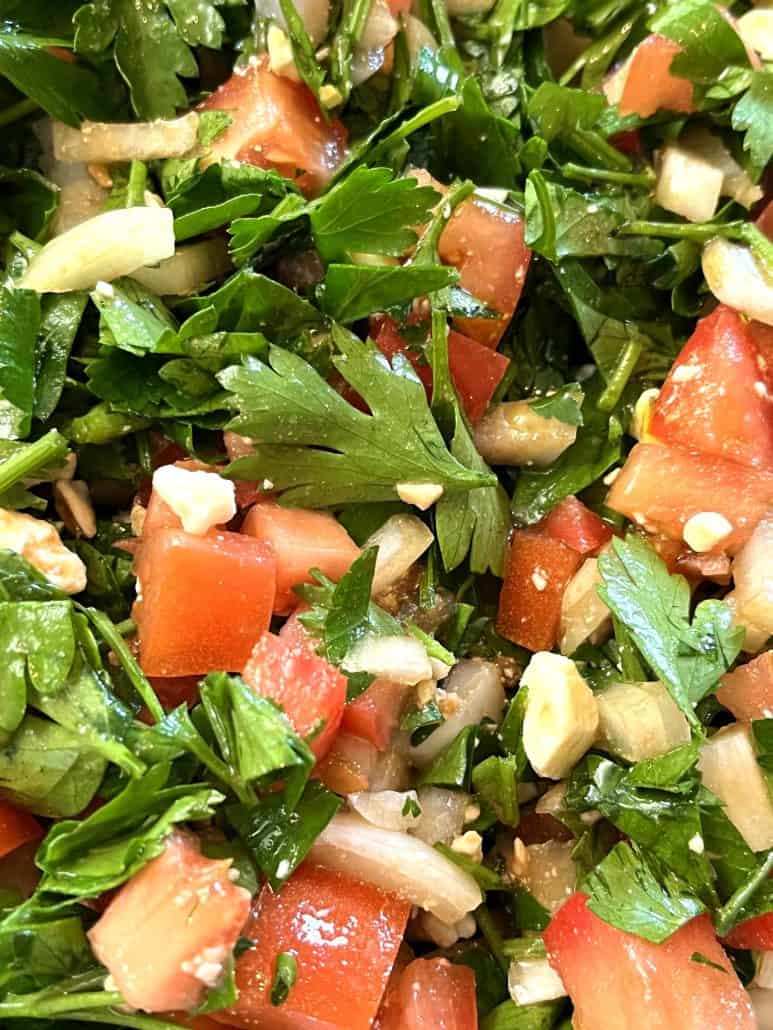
[532, 980]
[315, 15]
[736, 279]
[639, 721]
[417, 35]
[109, 142]
[756, 30]
[583, 613]
[442, 814]
[399, 659]
[103, 248]
[762, 1003]
[388, 809]
[728, 765]
[400, 541]
[190, 269]
[512, 433]
[688, 183]
[397, 862]
[477, 687]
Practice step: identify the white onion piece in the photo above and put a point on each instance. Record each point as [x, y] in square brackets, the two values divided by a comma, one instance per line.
[80, 197]
[400, 659]
[613, 85]
[442, 814]
[735, 181]
[512, 433]
[390, 771]
[417, 36]
[465, 8]
[639, 721]
[380, 28]
[315, 15]
[103, 248]
[762, 1003]
[389, 809]
[110, 142]
[735, 279]
[189, 270]
[763, 976]
[401, 541]
[728, 765]
[583, 614]
[552, 801]
[752, 599]
[551, 872]
[477, 687]
[532, 980]
[397, 862]
[756, 30]
[493, 194]
[688, 184]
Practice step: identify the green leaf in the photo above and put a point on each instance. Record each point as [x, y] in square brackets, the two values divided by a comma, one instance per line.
[451, 768]
[624, 891]
[27, 202]
[496, 781]
[61, 316]
[564, 404]
[557, 110]
[708, 41]
[285, 973]
[351, 292]
[19, 323]
[753, 115]
[509, 1016]
[483, 876]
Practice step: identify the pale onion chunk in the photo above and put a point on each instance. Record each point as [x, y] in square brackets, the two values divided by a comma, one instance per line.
[113, 142]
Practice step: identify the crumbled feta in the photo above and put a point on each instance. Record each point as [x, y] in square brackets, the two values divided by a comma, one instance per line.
[200, 499]
[40, 544]
[705, 530]
[533, 980]
[280, 53]
[695, 844]
[420, 495]
[469, 844]
[642, 413]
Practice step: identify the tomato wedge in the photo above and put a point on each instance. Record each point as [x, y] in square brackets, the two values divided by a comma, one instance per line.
[17, 827]
[577, 526]
[715, 398]
[660, 487]
[374, 715]
[168, 931]
[748, 691]
[432, 994]
[617, 980]
[312, 692]
[204, 601]
[344, 936]
[755, 934]
[650, 85]
[277, 123]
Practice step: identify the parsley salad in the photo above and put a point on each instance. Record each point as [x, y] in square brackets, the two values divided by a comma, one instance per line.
[386, 515]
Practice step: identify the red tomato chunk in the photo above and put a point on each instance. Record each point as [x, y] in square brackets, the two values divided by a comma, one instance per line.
[17, 827]
[577, 526]
[755, 934]
[748, 691]
[431, 994]
[375, 713]
[650, 85]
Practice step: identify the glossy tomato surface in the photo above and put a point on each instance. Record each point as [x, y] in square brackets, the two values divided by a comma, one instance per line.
[431, 994]
[577, 526]
[374, 715]
[17, 827]
[650, 85]
[748, 691]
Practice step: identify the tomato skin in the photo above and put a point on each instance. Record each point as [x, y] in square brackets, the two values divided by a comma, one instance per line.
[347, 767]
[748, 691]
[660, 487]
[650, 85]
[621, 982]
[301, 540]
[537, 571]
[345, 936]
[174, 691]
[432, 994]
[287, 669]
[277, 124]
[147, 934]
[374, 715]
[205, 600]
[577, 526]
[17, 827]
[715, 398]
[755, 934]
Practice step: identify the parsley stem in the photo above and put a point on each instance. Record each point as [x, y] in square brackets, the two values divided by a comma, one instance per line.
[592, 146]
[138, 180]
[447, 105]
[17, 111]
[493, 937]
[728, 915]
[443, 23]
[698, 232]
[583, 174]
[524, 947]
[126, 628]
[33, 1006]
[48, 450]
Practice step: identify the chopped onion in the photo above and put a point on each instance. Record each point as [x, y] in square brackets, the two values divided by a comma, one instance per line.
[477, 688]
[401, 659]
[466, 8]
[736, 279]
[103, 248]
[442, 814]
[315, 15]
[583, 614]
[752, 599]
[756, 30]
[390, 771]
[389, 809]
[80, 197]
[493, 194]
[512, 433]
[728, 765]
[189, 270]
[552, 801]
[111, 142]
[417, 36]
[763, 976]
[735, 181]
[762, 1003]
[397, 862]
[401, 541]
[688, 184]
[380, 29]
[639, 720]
[532, 980]
[551, 872]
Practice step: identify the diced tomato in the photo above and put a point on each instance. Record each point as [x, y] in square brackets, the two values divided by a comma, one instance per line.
[754, 934]
[715, 398]
[748, 691]
[344, 935]
[661, 487]
[432, 994]
[537, 571]
[204, 601]
[577, 526]
[628, 142]
[347, 767]
[179, 913]
[301, 540]
[617, 980]
[277, 123]
[174, 691]
[374, 715]
[765, 220]
[312, 692]
[650, 85]
[17, 827]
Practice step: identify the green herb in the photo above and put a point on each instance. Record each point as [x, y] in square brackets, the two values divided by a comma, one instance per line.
[751, 115]
[495, 780]
[285, 975]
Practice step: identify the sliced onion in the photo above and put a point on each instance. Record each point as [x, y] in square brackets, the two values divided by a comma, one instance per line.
[532, 980]
[477, 686]
[103, 248]
[189, 270]
[401, 541]
[388, 809]
[752, 599]
[397, 862]
[583, 614]
[80, 197]
[735, 181]
[417, 36]
[728, 765]
[111, 142]
[399, 659]
[735, 279]
[756, 30]
[442, 814]
[763, 976]
[380, 28]
[762, 1003]
[551, 872]
[512, 433]
[688, 184]
[315, 15]
[639, 721]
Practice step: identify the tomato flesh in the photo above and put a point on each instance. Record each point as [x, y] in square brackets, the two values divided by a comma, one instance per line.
[432, 994]
[660, 487]
[650, 85]
[374, 715]
[205, 600]
[17, 827]
[618, 981]
[177, 913]
[312, 692]
[344, 935]
[748, 691]
[301, 541]
[577, 526]
[754, 934]
[277, 123]
[715, 398]
[537, 571]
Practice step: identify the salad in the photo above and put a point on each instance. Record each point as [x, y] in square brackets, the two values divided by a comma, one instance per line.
[386, 515]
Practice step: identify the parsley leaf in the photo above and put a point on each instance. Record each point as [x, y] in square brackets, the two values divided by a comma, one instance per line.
[351, 292]
[709, 41]
[19, 323]
[320, 449]
[753, 114]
